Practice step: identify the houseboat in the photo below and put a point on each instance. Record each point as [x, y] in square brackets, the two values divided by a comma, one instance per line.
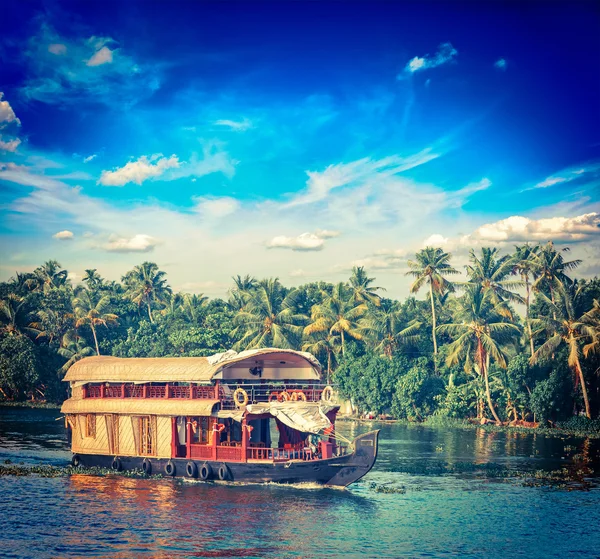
[257, 416]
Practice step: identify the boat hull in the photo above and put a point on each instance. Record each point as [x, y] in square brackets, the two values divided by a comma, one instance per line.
[337, 472]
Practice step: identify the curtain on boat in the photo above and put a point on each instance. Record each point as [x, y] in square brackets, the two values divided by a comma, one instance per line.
[307, 417]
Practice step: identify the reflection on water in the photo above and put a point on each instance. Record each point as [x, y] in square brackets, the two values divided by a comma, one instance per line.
[437, 515]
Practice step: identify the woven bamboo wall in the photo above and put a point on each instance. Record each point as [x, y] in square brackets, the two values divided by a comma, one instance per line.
[90, 445]
[127, 439]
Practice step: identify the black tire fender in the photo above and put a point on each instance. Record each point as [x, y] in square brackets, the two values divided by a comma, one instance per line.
[191, 470]
[147, 467]
[205, 471]
[224, 473]
[170, 468]
[76, 461]
[116, 464]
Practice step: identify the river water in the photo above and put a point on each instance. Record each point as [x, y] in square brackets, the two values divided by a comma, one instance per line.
[441, 505]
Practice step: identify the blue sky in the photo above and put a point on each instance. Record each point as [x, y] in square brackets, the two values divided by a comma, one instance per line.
[294, 139]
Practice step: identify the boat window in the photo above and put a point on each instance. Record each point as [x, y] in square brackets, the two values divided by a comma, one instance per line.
[147, 430]
[201, 429]
[90, 425]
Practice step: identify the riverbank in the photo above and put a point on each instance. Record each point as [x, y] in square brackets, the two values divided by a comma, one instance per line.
[574, 427]
[30, 404]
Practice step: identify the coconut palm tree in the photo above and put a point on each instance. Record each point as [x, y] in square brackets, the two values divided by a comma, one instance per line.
[324, 344]
[193, 306]
[246, 283]
[387, 329]
[430, 266]
[73, 349]
[564, 327]
[362, 289]
[52, 324]
[146, 285]
[51, 275]
[269, 318]
[492, 272]
[480, 333]
[89, 310]
[15, 316]
[93, 279]
[551, 269]
[523, 264]
[338, 314]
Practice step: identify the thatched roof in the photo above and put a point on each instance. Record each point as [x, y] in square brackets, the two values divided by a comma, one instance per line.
[139, 406]
[173, 369]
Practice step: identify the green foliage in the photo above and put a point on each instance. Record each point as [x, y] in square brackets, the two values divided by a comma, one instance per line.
[417, 391]
[551, 399]
[19, 366]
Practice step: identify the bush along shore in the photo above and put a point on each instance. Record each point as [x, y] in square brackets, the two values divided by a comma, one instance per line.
[515, 340]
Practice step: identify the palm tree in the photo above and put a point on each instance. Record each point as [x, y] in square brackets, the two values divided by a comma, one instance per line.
[246, 283]
[592, 319]
[491, 272]
[523, 264]
[193, 306]
[15, 317]
[146, 285]
[431, 265]
[551, 269]
[73, 349]
[93, 279]
[92, 312]
[52, 324]
[270, 318]
[481, 334]
[564, 327]
[387, 329]
[338, 314]
[324, 343]
[362, 288]
[50, 275]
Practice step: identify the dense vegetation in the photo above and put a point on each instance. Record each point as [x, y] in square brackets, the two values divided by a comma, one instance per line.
[463, 352]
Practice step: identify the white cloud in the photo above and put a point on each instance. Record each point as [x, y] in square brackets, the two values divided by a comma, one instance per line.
[139, 171]
[137, 243]
[210, 207]
[446, 53]
[435, 240]
[11, 145]
[590, 171]
[64, 235]
[520, 229]
[500, 64]
[305, 242]
[65, 71]
[7, 115]
[299, 273]
[320, 184]
[237, 126]
[90, 158]
[57, 48]
[103, 56]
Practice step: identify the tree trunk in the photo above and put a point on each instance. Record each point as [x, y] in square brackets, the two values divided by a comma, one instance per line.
[95, 339]
[343, 344]
[583, 389]
[483, 359]
[432, 318]
[328, 366]
[150, 312]
[528, 320]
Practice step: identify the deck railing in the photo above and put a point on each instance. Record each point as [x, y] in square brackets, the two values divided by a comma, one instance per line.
[257, 393]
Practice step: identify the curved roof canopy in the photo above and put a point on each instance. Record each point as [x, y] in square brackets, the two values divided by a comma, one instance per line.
[288, 363]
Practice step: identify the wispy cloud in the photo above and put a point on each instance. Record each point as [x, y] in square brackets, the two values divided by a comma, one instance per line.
[90, 158]
[215, 207]
[236, 126]
[501, 64]
[63, 70]
[321, 183]
[445, 53]
[10, 145]
[586, 172]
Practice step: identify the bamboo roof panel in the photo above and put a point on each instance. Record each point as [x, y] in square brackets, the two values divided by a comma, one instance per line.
[135, 406]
